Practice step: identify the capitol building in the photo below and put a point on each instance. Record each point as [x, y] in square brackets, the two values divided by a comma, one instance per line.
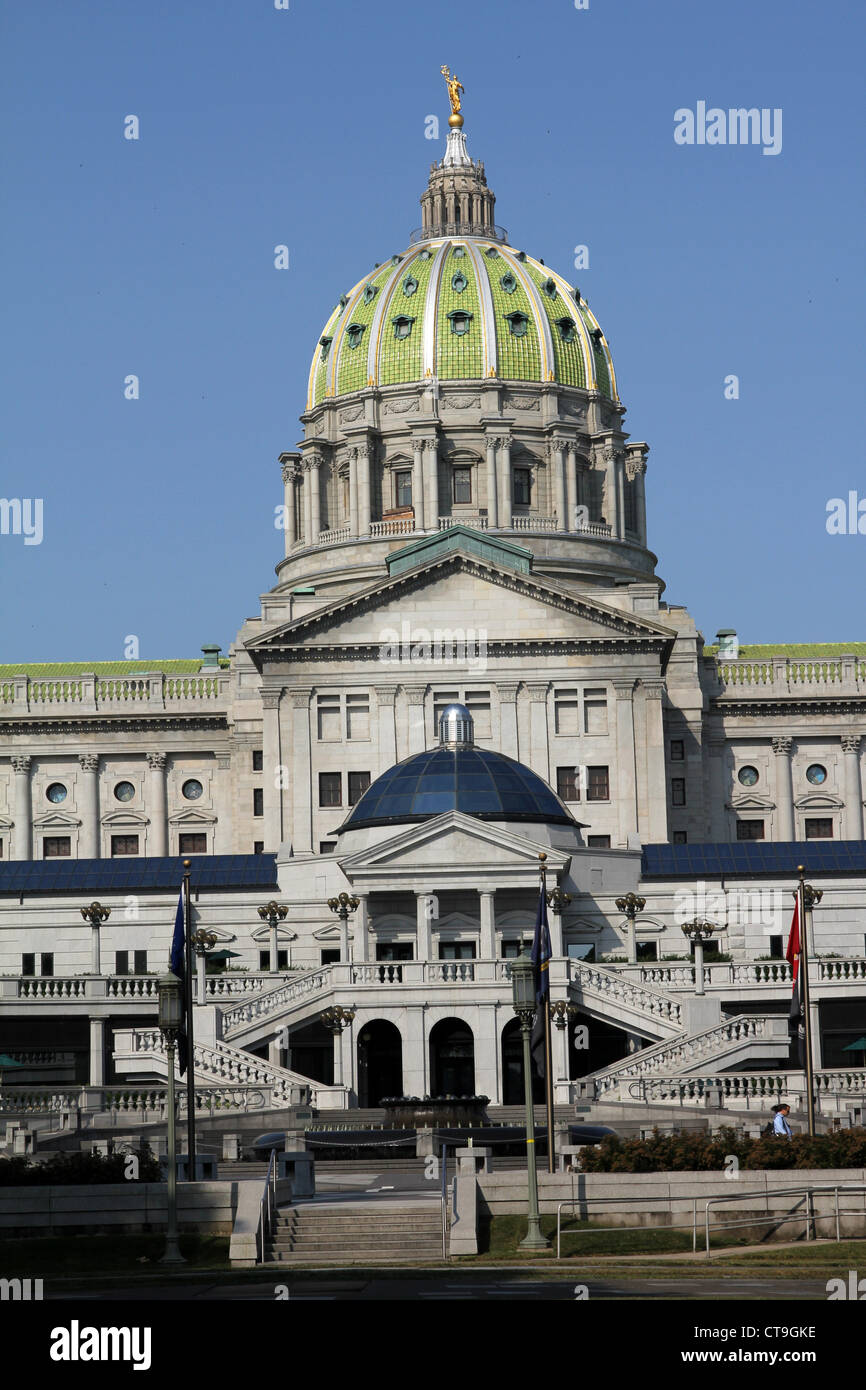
[462, 528]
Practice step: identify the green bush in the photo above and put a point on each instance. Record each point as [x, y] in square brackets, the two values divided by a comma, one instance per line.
[697, 1151]
[77, 1169]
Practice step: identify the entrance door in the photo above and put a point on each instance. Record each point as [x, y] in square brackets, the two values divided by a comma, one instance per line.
[452, 1059]
[380, 1062]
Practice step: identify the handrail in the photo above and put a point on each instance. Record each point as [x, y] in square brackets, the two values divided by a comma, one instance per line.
[807, 1189]
[266, 1206]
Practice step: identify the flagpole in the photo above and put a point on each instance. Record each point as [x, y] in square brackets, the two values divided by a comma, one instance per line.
[190, 1069]
[548, 1065]
[807, 1012]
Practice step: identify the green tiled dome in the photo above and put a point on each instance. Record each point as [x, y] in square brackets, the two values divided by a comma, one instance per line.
[460, 308]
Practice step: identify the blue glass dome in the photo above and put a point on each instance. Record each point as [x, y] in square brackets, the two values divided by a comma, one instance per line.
[464, 778]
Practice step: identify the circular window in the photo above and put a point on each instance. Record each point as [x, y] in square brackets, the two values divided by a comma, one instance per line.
[124, 791]
[56, 792]
[816, 774]
[748, 776]
[192, 789]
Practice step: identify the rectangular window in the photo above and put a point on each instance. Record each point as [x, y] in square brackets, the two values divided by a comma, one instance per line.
[258, 801]
[510, 950]
[750, 830]
[680, 837]
[394, 950]
[140, 962]
[403, 488]
[678, 750]
[121, 962]
[358, 784]
[1, 849]
[327, 846]
[567, 788]
[456, 950]
[56, 847]
[461, 485]
[258, 846]
[598, 841]
[594, 712]
[258, 760]
[776, 951]
[597, 784]
[328, 717]
[647, 950]
[358, 716]
[331, 955]
[193, 842]
[478, 704]
[565, 711]
[330, 788]
[265, 960]
[522, 485]
[46, 963]
[819, 828]
[28, 963]
[123, 844]
[678, 791]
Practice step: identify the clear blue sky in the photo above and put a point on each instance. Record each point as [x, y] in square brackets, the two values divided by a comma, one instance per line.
[306, 127]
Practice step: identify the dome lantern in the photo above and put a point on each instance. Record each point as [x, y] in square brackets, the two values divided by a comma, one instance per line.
[456, 728]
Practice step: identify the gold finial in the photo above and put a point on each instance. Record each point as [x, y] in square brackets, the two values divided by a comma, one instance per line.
[455, 87]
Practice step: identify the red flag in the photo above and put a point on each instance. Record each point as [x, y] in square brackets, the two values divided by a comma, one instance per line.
[792, 955]
[797, 1014]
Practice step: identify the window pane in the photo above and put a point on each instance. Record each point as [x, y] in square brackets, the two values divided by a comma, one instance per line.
[258, 846]
[358, 716]
[819, 828]
[750, 830]
[56, 847]
[123, 844]
[462, 484]
[595, 712]
[258, 760]
[598, 841]
[46, 963]
[28, 963]
[193, 843]
[403, 488]
[566, 784]
[358, 784]
[680, 837]
[677, 750]
[327, 846]
[121, 962]
[140, 962]
[565, 711]
[330, 789]
[521, 478]
[678, 791]
[258, 801]
[597, 786]
[328, 715]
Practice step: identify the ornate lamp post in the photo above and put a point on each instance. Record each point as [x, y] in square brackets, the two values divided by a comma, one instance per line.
[557, 900]
[170, 1016]
[632, 906]
[335, 1020]
[203, 943]
[95, 914]
[272, 913]
[523, 1000]
[343, 905]
[699, 930]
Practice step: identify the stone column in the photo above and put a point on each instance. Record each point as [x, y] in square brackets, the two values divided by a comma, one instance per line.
[610, 500]
[571, 497]
[424, 928]
[853, 787]
[96, 1076]
[492, 495]
[635, 470]
[417, 733]
[657, 792]
[21, 764]
[626, 776]
[418, 483]
[88, 844]
[385, 697]
[302, 789]
[291, 535]
[308, 502]
[504, 448]
[508, 718]
[717, 820]
[431, 473]
[314, 463]
[619, 465]
[354, 511]
[539, 757]
[784, 788]
[559, 1049]
[272, 827]
[554, 923]
[364, 490]
[362, 929]
[487, 943]
[556, 459]
[157, 805]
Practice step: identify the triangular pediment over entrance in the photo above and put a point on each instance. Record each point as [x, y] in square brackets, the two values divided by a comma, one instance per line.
[452, 851]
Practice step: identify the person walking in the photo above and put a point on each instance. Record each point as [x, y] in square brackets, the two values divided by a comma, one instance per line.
[781, 1128]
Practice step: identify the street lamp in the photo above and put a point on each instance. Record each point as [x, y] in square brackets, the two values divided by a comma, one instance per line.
[810, 898]
[203, 943]
[557, 900]
[272, 913]
[698, 930]
[524, 1004]
[170, 1019]
[335, 1020]
[343, 905]
[95, 914]
[632, 906]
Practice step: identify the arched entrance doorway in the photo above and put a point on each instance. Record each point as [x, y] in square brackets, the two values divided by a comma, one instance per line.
[512, 1068]
[452, 1059]
[380, 1062]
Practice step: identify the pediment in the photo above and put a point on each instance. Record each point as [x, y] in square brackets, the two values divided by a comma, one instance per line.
[751, 801]
[461, 592]
[331, 933]
[125, 818]
[191, 817]
[819, 801]
[262, 934]
[6, 823]
[55, 818]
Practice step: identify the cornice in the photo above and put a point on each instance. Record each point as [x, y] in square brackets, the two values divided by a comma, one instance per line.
[82, 725]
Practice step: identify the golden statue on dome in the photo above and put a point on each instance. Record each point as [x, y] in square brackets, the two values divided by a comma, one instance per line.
[455, 87]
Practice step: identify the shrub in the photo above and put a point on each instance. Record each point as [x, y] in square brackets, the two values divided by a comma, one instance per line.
[77, 1169]
[697, 1151]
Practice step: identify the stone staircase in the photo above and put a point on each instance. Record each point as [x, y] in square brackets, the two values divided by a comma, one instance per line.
[139, 1050]
[612, 996]
[345, 1233]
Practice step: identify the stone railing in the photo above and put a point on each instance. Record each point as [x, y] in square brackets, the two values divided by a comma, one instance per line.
[676, 1056]
[276, 1000]
[215, 1062]
[47, 987]
[759, 973]
[61, 989]
[470, 519]
[614, 987]
[848, 968]
[737, 1090]
[533, 522]
[781, 675]
[89, 693]
[397, 526]
[144, 1103]
[333, 537]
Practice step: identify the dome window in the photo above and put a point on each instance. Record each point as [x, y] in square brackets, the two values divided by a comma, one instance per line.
[395, 260]
[596, 338]
[521, 255]
[518, 323]
[508, 282]
[409, 285]
[402, 326]
[492, 253]
[325, 345]
[460, 321]
[344, 299]
[424, 255]
[458, 253]
[355, 333]
[370, 292]
[566, 328]
[550, 288]
[576, 293]
[459, 282]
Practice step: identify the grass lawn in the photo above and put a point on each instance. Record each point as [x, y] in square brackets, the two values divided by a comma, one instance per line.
[81, 1256]
[501, 1237]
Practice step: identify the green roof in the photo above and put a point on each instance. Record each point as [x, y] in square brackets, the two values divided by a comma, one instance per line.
[805, 649]
[181, 666]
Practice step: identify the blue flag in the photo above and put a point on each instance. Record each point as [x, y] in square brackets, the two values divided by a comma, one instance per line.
[177, 965]
[541, 954]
